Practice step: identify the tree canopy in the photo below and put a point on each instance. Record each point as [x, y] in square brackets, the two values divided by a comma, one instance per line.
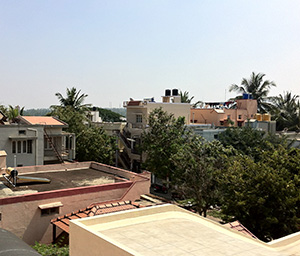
[286, 111]
[161, 140]
[258, 88]
[252, 176]
[92, 143]
[73, 99]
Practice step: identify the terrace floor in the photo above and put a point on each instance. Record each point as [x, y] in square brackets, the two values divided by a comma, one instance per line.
[59, 180]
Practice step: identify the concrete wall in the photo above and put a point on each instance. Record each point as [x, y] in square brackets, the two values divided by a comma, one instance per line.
[21, 214]
[86, 242]
[246, 109]
[8, 133]
[145, 108]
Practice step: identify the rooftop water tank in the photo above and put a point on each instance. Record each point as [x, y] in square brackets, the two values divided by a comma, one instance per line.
[175, 92]
[168, 92]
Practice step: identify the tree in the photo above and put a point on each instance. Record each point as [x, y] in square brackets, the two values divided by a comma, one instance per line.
[73, 99]
[109, 116]
[262, 197]
[198, 163]
[186, 99]
[13, 113]
[286, 111]
[250, 141]
[258, 88]
[161, 140]
[92, 143]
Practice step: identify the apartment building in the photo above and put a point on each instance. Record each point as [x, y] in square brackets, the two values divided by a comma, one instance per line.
[137, 115]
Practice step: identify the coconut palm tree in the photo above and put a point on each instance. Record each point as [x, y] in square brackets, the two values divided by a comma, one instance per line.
[286, 111]
[258, 88]
[73, 99]
[186, 99]
[13, 113]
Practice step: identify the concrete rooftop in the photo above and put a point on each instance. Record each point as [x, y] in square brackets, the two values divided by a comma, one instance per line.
[169, 230]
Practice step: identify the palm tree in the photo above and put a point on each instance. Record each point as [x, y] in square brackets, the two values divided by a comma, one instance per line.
[258, 88]
[186, 99]
[13, 113]
[73, 99]
[286, 111]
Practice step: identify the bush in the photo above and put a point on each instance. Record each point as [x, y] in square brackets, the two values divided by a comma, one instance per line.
[51, 249]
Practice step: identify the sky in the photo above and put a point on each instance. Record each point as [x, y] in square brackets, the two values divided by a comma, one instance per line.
[119, 49]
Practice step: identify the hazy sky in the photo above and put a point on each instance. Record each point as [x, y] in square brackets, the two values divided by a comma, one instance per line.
[114, 50]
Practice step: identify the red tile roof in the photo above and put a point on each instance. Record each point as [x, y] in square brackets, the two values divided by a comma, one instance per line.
[236, 225]
[44, 120]
[134, 103]
[95, 209]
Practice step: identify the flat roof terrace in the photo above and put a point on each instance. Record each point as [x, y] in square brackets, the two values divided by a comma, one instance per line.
[66, 178]
[167, 230]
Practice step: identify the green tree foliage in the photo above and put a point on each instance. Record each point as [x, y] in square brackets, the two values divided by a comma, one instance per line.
[185, 98]
[198, 163]
[264, 197]
[286, 112]
[249, 141]
[13, 113]
[93, 144]
[161, 140]
[36, 112]
[51, 249]
[73, 99]
[109, 116]
[3, 109]
[258, 88]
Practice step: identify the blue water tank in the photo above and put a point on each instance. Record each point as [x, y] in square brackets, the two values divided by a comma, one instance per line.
[246, 96]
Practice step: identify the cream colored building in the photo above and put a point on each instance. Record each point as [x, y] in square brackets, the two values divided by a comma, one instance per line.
[168, 230]
[137, 114]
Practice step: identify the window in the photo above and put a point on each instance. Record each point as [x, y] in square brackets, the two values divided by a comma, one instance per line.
[50, 209]
[139, 118]
[22, 132]
[19, 143]
[14, 147]
[24, 146]
[29, 146]
[240, 117]
[228, 117]
[21, 146]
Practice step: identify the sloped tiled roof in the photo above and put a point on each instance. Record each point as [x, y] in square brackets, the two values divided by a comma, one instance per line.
[236, 225]
[44, 120]
[134, 103]
[93, 210]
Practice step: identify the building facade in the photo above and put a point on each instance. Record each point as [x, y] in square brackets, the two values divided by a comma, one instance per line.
[36, 141]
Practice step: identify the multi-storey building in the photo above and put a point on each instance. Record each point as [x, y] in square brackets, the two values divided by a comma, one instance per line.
[36, 140]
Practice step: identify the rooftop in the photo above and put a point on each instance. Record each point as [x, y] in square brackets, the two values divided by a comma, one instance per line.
[63, 222]
[61, 179]
[42, 120]
[81, 177]
[169, 230]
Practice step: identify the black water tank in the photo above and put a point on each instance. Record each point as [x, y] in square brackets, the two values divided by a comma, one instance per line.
[174, 92]
[168, 92]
